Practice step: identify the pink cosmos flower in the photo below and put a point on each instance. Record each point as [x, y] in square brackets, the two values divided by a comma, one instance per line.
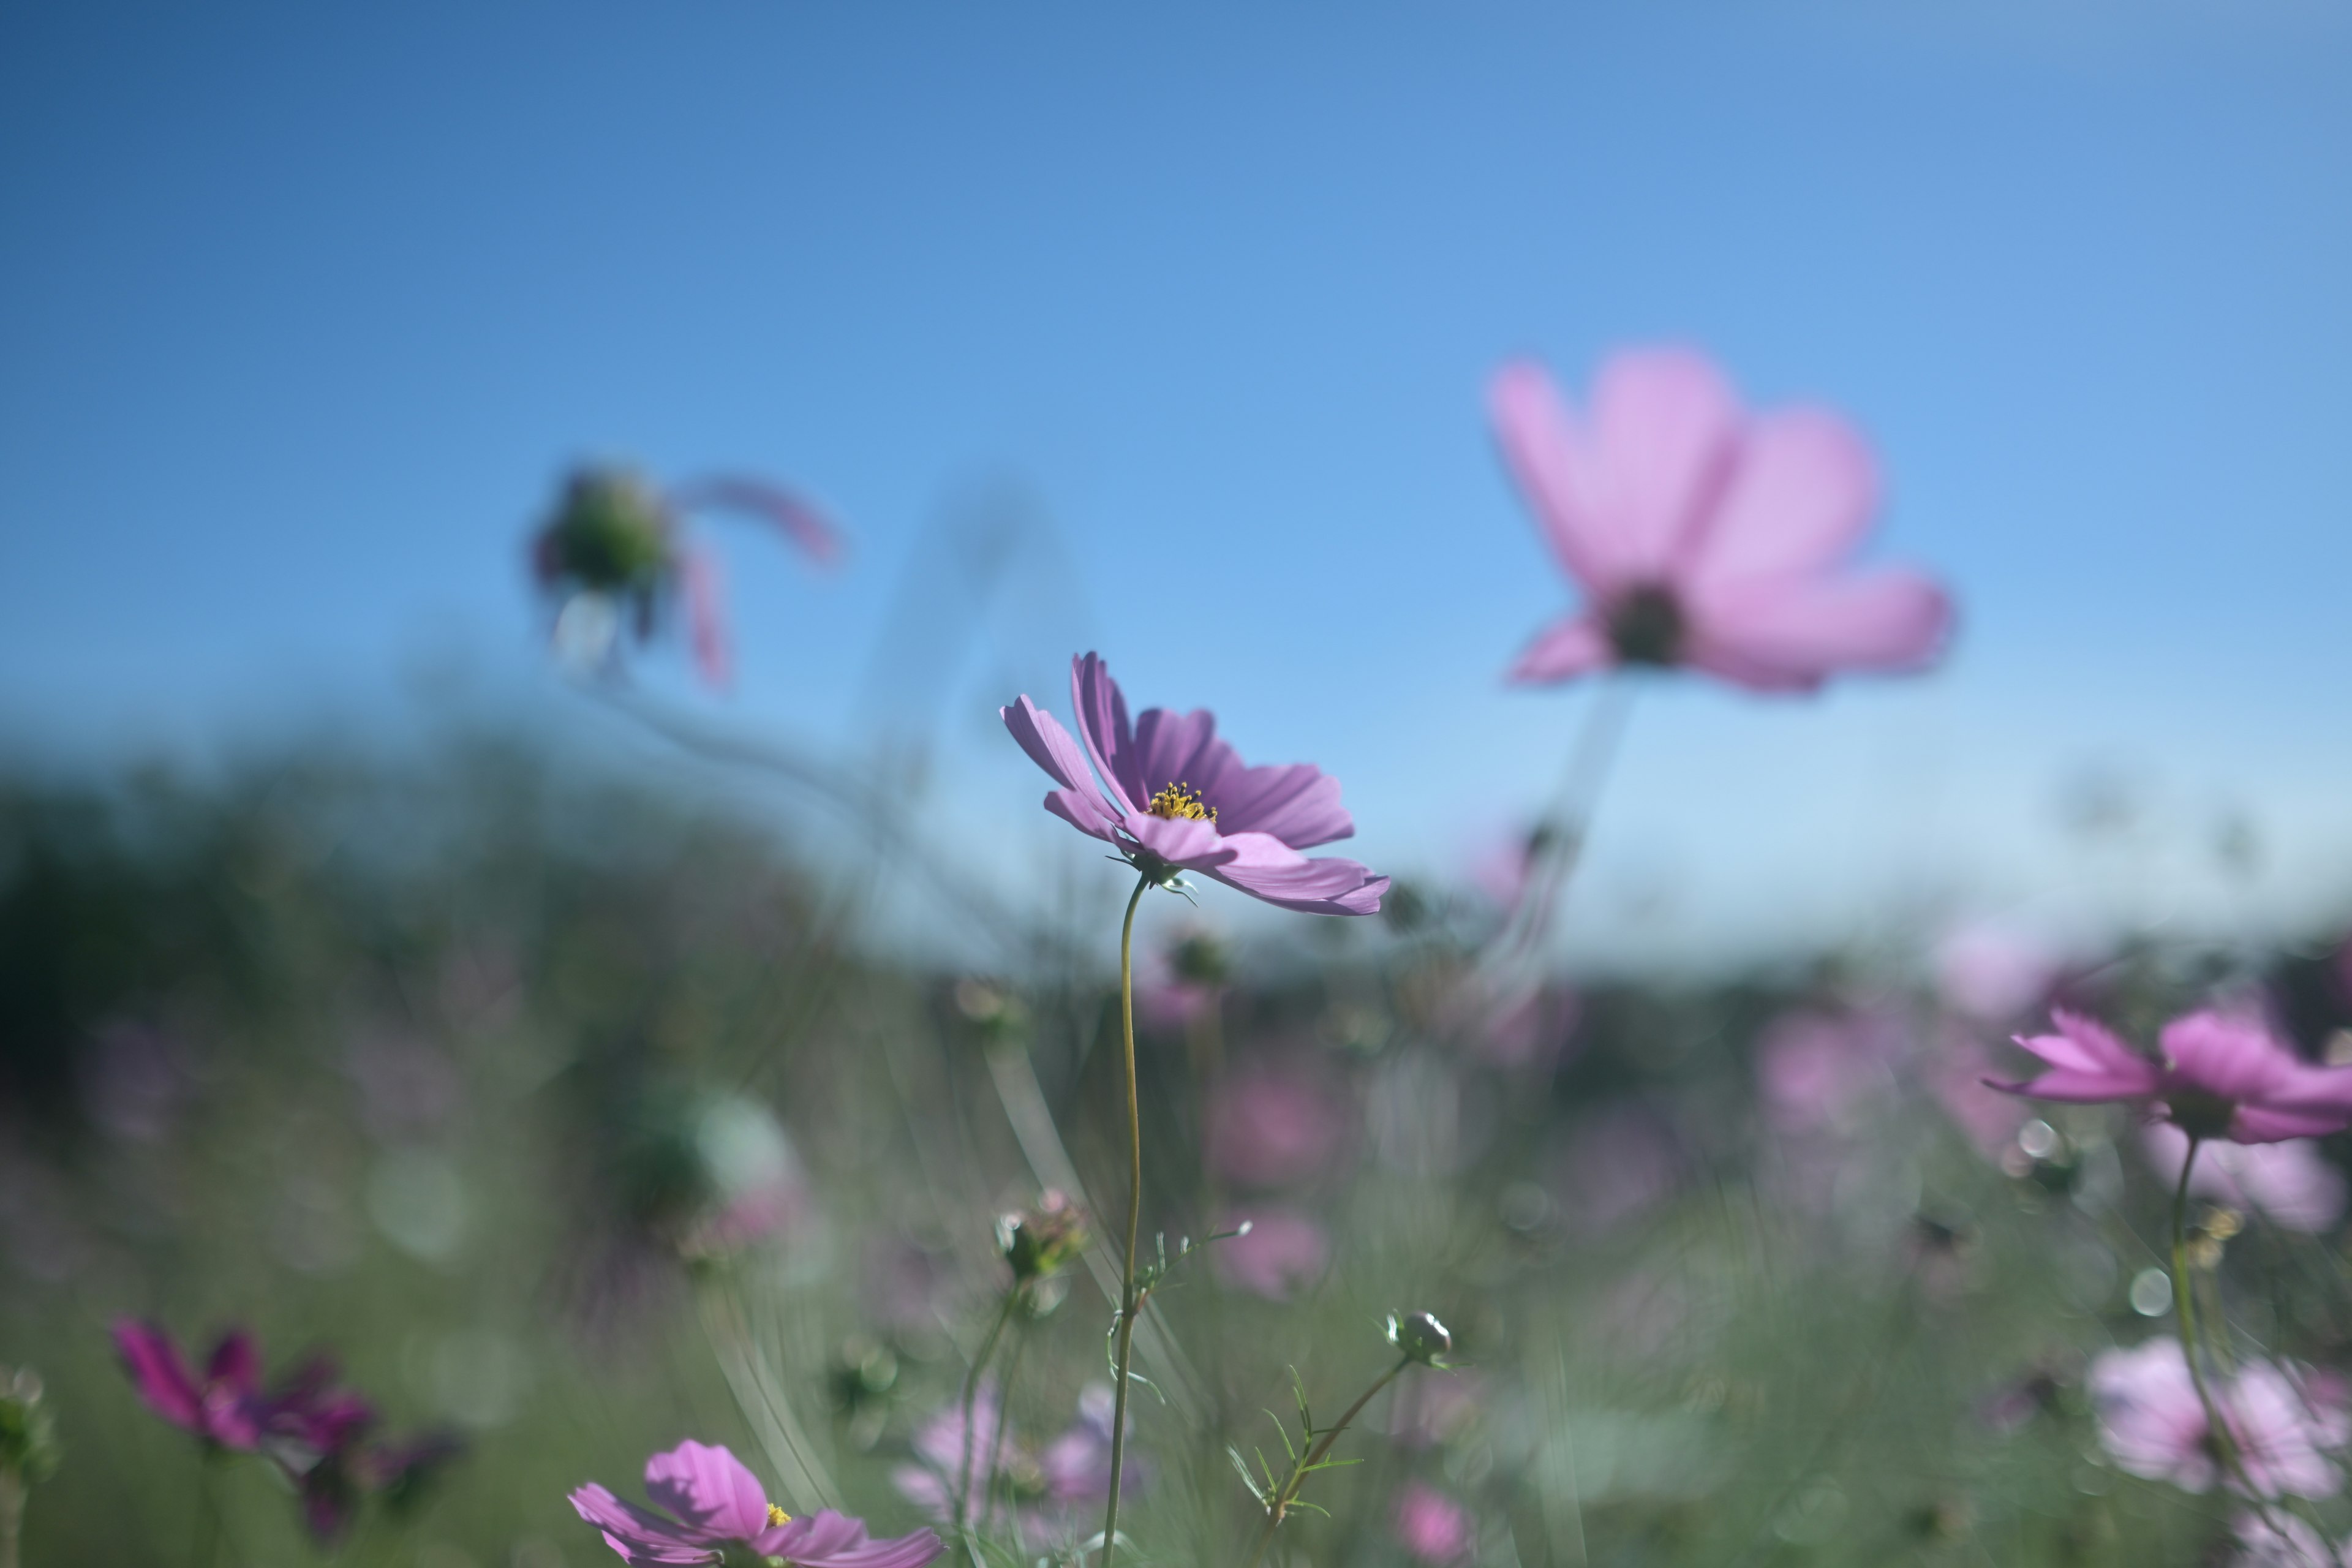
[615, 544]
[2221, 1076]
[2153, 1424]
[1957, 1075]
[1432, 1526]
[1993, 973]
[1705, 535]
[1050, 1488]
[1178, 799]
[1284, 1252]
[1273, 1126]
[225, 1408]
[715, 1505]
[1815, 1070]
[2293, 1544]
[2288, 1184]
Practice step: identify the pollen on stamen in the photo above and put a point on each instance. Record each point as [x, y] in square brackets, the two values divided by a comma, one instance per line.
[777, 1516]
[1182, 801]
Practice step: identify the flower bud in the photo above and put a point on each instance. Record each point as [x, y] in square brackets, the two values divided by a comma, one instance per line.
[28, 1440]
[1037, 1241]
[1418, 1336]
[609, 533]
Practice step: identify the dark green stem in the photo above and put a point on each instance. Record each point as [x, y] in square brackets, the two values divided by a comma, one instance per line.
[12, 1513]
[1288, 1494]
[1127, 1304]
[970, 1393]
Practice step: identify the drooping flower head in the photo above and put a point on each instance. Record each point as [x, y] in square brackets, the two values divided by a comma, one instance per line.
[2220, 1075]
[715, 1506]
[614, 548]
[1704, 535]
[224, 1407]
[2153, 1424]
[1176, 799]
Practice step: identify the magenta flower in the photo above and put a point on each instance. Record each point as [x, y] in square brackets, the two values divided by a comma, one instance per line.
[1178, 799]
[224, 1408]
[715, 1505]
[1049, 1490]
[2290, 1183]
[1432, 1526]
[2153, 1424]
[1704, 535]
[2221, 1076]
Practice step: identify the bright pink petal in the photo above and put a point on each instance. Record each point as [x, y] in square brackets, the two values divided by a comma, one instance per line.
[235, 1365]
[1296, 803]
[1050, 747]
[1779, 636]
[2230, 1056]
[797, 519]
[638, 1536]
[158, 1374]
[709, 1488]
[705, 618]
[1802, 494]
[1563, 650]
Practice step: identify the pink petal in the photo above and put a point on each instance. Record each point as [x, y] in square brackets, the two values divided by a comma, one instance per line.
[1781, 636]
[1566, 649]
[1179, 748]
[1553, 461]
[1668, 425]
[705, 618]
[1050, 747]
[1186, 841]
[1803, 494]
[157, 1372]
[1296, 803]
[1101, 708]
[707, 1487]
[797, 518]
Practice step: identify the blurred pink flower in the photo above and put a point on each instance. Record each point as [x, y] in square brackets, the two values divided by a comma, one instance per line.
[1049, 1488]
[2290, 1183]
[2294, 1544]
[1430, 1526]
[1271, 1126]
[2153, 1424]
[2221, 1076]
[1526, 1029]
[224, 1407]
[1612, 1165]
[1705, 535]
[1432, 1407]
[1993, 973]
[1181, 980]
[1815, 1070]
[1956, 1077]
[1284, 1252]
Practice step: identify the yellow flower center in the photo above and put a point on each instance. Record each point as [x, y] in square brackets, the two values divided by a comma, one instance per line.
[777, 1516]
[1182, 801]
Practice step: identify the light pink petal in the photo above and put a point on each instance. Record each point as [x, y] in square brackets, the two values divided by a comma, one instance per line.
[1667, 426]
[2276, 1123]
[705, 618]
[1783, 636]
[710, 1489]
[1179, 748]
[2223, 1055]
[2083, 1042]
[1103, 725]
[1085, 811]
[1803, 492]
[1265, 867]
[797, 519]
[1187, 841]
[1296, 803]
[1050, 747]
[1555, 465]
[637, 1535]
[1563, 650]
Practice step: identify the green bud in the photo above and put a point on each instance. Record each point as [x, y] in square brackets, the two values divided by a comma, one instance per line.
[28, 1438]
[1037, 1241]
[1418, 1336]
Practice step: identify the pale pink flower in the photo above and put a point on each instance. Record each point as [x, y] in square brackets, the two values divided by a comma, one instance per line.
[1432, 1407]
[1956, 1077]
[1274, 1126]
[1430, 1526]
[2291, 1184]
[2221, 1076]
[1703, 534]
[1993, 973]
[1283, 1253]
[2153, 1424]
[1816, 1070]
[2292, 1544]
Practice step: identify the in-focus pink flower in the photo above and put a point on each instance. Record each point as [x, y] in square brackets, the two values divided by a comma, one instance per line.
[1703, 534]
[715, 1507]
[1177, 798]
[1283, 1253]
[2221, 1076]
[2153, 1424]
[224, 1408]
[1430, 1526]
[1273, 1126]
[2290, 1183]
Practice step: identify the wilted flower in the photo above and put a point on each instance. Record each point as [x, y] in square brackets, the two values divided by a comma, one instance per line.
[1179, 799]
[2153, 1424]
[1037, 1241]
[1430, 1526]
[1048, 1489]
[2221, 1076]
[224, 1408]
[1279, 1252]
[1420, 1337]
[2291, 1184]
[615, 547]
[1705, 535]
[715, 1506]
[1269, 1126]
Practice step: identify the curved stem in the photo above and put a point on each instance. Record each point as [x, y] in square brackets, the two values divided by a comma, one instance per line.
[1134, 1222]
[970, 1393]
[1299, 1472]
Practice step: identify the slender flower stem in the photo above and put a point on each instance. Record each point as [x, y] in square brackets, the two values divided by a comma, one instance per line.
[970, 1393]
[12, 1513]
[1299, 1472]
[1566, 825]
[1125, 1348]
[206, 1551]
[1004, 1424]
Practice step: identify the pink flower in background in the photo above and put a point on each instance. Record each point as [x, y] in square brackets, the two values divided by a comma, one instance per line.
[1273, 1126]
[1993, 973]
[1956, 1076]
[1284, 1252]
[1705, 535]
[1430, 1526]
[2290, 1183]
[2293, 1544]
[1182, 981]
[1613, 1165]
[2153, 1424]
[1816, 1070]
[1049, 1488]
[1432, 1407]
[1176, 799]
[1526, 1029]
[224, 1407]
[2221, 1076]
[715, 1507]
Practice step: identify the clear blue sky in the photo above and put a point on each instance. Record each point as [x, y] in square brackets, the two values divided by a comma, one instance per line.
[302, 307]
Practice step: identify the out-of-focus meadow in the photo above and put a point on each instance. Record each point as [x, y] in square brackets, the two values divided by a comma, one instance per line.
[417, 1121]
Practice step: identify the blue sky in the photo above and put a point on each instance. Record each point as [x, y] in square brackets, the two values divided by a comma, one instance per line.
[302, 308]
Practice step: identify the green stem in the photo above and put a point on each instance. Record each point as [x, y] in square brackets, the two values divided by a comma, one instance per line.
[1004, 1424]
[1134, 1222]
[1298, 1473]
[205, 1552]
[12, 1514]
[970, 1393]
